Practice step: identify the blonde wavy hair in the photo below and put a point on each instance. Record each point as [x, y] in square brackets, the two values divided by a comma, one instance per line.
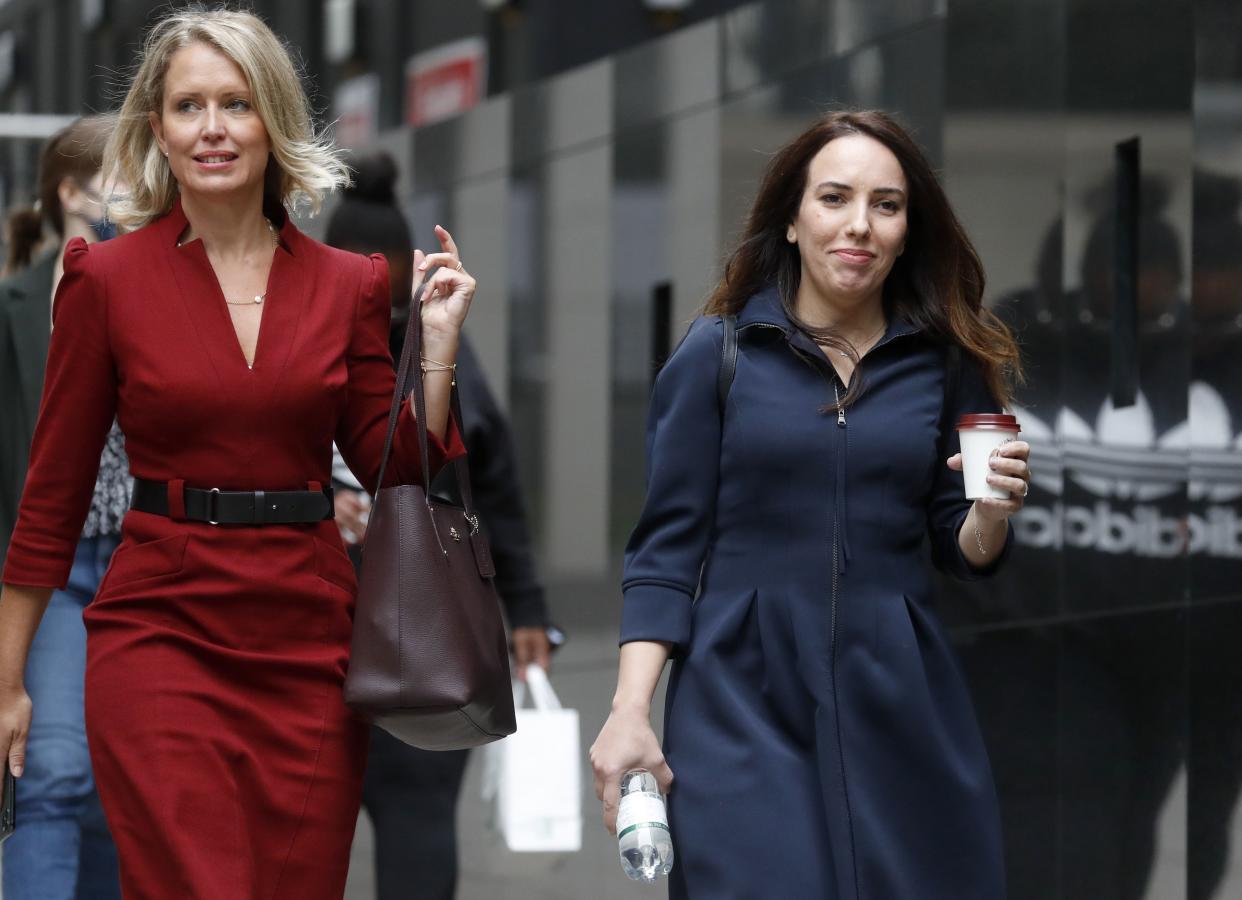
[304, 165]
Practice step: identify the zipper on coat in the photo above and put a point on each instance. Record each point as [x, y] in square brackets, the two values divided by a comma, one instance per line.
[837, 552]
[842, 461]
[840, 554]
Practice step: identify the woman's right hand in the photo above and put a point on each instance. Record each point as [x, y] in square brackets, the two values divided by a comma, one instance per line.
[625, 742]
[15, 714]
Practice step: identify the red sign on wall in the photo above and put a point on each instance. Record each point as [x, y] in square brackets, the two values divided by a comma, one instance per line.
[445, 81]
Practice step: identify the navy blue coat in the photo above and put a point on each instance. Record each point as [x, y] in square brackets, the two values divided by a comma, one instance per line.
[817, 722]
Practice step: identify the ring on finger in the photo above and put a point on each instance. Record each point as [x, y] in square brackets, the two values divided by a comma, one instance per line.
[459, 265]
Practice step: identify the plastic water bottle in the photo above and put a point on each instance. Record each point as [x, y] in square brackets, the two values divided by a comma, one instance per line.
[642, 828]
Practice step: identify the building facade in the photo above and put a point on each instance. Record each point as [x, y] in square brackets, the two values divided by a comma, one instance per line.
[595, 179]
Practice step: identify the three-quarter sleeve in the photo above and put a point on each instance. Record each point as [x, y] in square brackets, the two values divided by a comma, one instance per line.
[75, 415]
[948, 506]
[669, 544]
[360, 433]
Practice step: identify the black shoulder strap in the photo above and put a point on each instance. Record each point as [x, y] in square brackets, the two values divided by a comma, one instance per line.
[728, 361]
[952, 378]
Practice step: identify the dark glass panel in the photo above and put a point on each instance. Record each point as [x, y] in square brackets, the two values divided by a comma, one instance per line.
[1013, 678]
[1215, 746]
[1122, 685]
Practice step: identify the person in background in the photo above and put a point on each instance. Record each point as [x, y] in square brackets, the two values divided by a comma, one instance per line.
[411, 794]
[23, 238]
[62, 849]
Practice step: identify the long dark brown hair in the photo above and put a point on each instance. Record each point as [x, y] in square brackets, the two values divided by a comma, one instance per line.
[76, 151]
[936, 283]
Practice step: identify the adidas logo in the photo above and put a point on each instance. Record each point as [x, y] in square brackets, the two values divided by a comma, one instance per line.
[1123, 462]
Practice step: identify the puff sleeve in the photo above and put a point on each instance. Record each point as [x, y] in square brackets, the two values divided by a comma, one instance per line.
[75, 415]
[361, 430]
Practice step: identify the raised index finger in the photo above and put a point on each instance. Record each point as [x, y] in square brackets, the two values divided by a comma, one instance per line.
[446, 241]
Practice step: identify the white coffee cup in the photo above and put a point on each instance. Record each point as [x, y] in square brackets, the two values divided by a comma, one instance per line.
[982, 435]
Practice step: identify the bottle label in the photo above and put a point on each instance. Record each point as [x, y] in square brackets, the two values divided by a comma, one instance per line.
[641, 811]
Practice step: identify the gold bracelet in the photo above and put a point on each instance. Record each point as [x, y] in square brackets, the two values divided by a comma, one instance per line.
[979, 539]
[431, 365]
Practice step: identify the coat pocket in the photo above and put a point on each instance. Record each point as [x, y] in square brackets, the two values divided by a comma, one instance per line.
[334, 567]
[152, 559]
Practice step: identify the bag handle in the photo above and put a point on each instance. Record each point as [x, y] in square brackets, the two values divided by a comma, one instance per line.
[410, 378]
[541, 693]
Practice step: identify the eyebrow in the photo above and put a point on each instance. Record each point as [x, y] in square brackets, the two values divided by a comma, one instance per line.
[845, 187]
[233, 89]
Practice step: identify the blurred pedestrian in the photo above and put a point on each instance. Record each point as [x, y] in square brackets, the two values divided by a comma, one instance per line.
[63, 849]
[411, 794]
[23, 238]
[226, 759]
[822, 737]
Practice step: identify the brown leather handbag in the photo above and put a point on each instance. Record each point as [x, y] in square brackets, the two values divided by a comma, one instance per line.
[429, 661]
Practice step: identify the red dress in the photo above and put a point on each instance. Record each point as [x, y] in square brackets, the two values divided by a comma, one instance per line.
[227, 763]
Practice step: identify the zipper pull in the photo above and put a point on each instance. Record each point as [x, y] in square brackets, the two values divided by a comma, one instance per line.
[841, 417]
[840, 409]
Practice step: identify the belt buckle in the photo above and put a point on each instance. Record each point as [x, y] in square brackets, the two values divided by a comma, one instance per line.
[213, 509]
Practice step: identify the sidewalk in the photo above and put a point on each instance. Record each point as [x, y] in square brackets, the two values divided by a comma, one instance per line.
[584, 677]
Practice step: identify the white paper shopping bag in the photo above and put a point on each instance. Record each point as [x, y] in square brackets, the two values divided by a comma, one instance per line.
[533, 777]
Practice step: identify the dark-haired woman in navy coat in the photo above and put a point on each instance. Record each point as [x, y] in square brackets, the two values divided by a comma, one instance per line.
[817, 721]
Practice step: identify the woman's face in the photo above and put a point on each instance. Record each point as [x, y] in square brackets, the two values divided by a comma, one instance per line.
[215, 142]
[851, 223]
[83, 199]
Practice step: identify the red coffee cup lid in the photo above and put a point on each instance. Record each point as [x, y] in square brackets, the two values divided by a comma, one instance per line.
[989, 421]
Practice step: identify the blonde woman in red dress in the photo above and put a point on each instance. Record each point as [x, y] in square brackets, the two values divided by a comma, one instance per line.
[233, 350]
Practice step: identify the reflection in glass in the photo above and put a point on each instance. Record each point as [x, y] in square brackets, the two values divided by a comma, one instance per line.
[1215, 761]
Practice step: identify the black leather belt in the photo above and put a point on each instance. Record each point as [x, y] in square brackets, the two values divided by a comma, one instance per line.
[219, 507]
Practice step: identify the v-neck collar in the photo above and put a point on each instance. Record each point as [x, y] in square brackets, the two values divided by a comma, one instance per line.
[210, 307]
[204, 305]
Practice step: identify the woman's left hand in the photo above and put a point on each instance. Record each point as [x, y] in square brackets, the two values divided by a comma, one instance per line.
[1010, 472]
[447, 297]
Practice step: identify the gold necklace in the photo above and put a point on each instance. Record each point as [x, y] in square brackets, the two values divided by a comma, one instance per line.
[258, 298]
[875, 334]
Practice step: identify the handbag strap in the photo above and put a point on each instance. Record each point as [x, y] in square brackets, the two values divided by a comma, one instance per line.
[728, 361]
[410, 378]
[952, 378]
